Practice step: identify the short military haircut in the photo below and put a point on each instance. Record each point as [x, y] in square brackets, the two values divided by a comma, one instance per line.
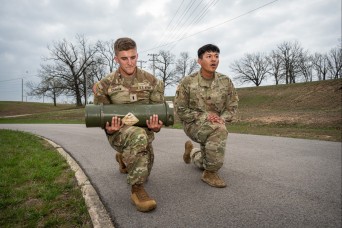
[207, 48]
[124, 44]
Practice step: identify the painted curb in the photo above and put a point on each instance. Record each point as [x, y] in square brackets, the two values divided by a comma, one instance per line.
[98, 214]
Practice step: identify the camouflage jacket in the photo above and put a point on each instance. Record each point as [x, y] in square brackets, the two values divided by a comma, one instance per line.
[143, 87]
[196, 97]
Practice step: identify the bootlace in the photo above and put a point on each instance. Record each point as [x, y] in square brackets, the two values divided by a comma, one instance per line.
[142, 194]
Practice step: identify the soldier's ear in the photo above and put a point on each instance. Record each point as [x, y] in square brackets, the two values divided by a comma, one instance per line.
[94, 87]
[116, 59]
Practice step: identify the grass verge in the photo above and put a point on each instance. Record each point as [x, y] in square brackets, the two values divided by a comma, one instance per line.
[73, 116]
[37, 187]
[327, 132]
[288, 130]
[302, 110]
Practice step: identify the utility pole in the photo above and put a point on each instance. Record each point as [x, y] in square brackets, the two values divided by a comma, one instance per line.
[141, 62]
[22, 89]
[153, 60]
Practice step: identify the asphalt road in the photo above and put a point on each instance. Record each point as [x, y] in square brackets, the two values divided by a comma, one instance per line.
[272, 181]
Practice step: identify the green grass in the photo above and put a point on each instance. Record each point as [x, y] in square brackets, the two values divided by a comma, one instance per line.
[302, 110]
[9, 108]
[73, 116]
[37, 187]
[288, 130]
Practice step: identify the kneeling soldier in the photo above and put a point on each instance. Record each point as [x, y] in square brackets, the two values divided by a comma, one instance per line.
[131, 85]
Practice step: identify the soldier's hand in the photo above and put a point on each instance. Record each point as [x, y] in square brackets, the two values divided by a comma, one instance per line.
[115, 125]
[213, 118]
[154, 123]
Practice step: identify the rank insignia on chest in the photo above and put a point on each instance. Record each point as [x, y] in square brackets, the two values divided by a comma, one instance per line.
[133, 97]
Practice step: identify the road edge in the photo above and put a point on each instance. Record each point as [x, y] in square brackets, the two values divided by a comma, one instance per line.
[98, 213]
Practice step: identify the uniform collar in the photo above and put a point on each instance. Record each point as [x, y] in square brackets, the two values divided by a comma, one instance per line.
[133, 76]
[205, 82]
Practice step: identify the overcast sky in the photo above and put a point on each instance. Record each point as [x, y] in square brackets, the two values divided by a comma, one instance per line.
[238, 27]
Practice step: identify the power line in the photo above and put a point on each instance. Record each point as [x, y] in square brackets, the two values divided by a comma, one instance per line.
[193, 18]
[229, 20]
[180, 19]
[7, 84]
[199, 18]
[184, 23]
[167, 27]
[241, 15]
[13, 79]
[186, 10]
[184, 31]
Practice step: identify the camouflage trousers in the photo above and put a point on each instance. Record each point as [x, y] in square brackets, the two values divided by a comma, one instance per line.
[212, 139]
[135, 144]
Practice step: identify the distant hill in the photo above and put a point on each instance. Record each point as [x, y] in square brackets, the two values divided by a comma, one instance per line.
[318, 102]
[305, 103]
[302, 110]
[12, 108]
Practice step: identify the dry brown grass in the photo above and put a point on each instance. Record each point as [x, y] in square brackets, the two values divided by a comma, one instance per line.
[11, 108]
[315, 103]
[303, 110]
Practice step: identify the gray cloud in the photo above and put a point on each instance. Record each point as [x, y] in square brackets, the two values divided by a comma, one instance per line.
[27, 27]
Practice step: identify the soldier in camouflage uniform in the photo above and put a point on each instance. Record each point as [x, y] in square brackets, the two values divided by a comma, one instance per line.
[206, 102]
[133, 144]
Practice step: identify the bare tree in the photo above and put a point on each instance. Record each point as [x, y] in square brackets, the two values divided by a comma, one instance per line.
[49, 86]
[70, 63]
[251, 68]
[163, 65]
[334, 59]
[320, 65]
[107, 53]
[290, 53]
[97, 70]
[185, 66]
[275, 62]
[306, 66]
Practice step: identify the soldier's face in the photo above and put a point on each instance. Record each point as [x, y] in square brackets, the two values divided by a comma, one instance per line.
[209, 62]
[127, 61]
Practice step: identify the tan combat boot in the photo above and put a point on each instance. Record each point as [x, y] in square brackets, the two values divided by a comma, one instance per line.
[122, 166]
[188, 148]
[141, 199]
[211, 178]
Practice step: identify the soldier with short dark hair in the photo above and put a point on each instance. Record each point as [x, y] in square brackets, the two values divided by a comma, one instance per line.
[206, 102]
[131, 85]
